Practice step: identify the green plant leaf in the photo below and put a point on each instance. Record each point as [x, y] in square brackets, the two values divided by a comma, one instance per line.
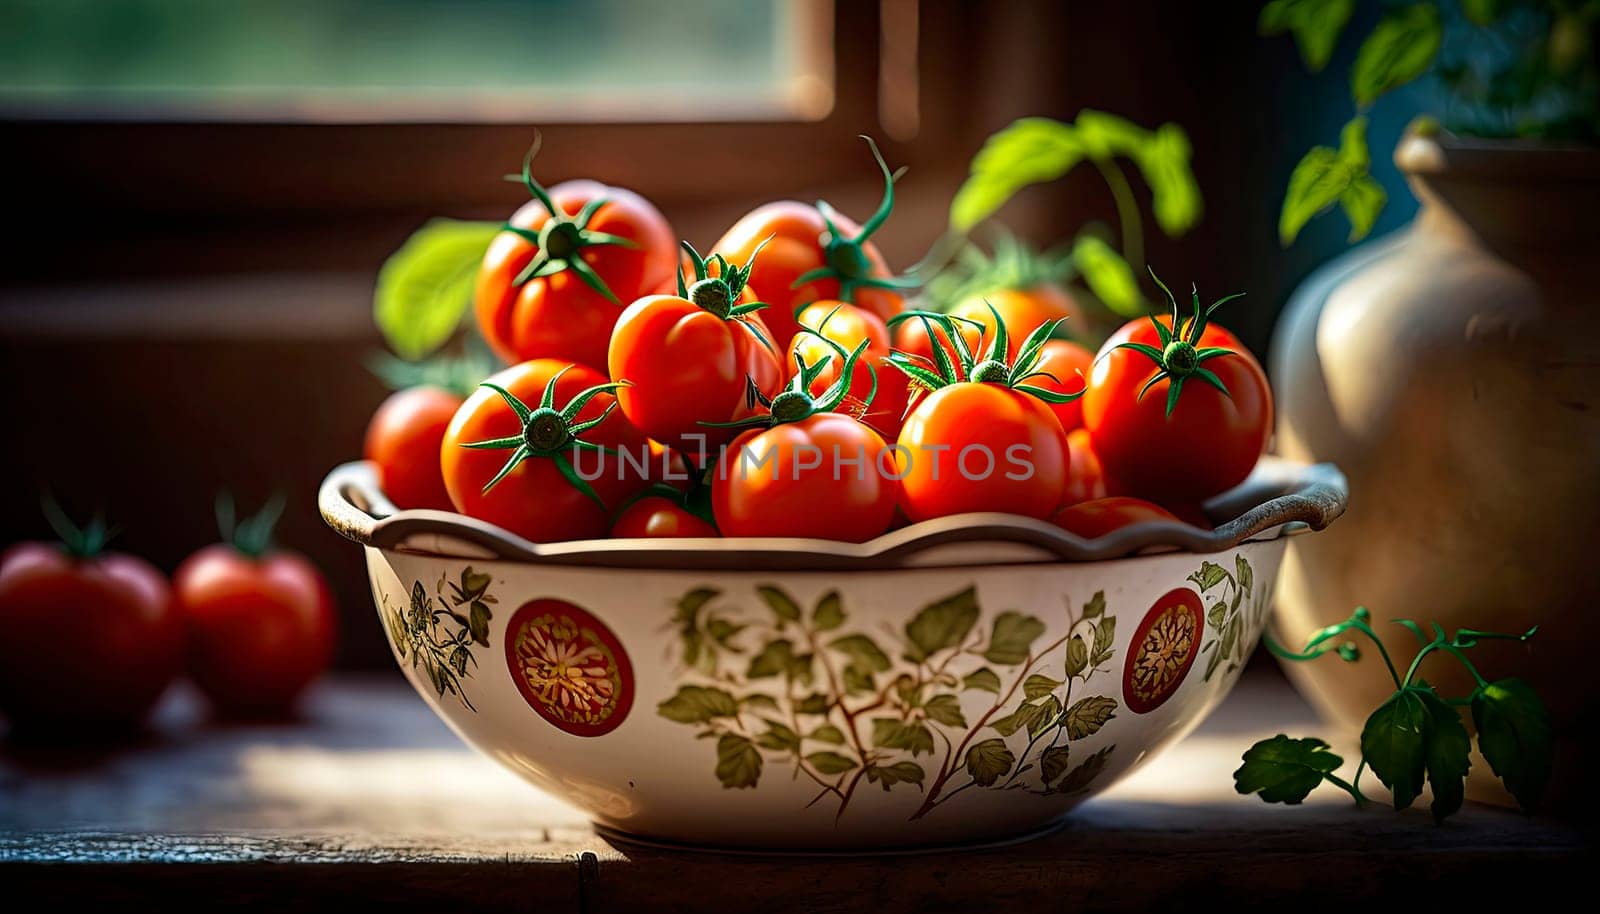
[898, 773]
[1394, 742]
[698, 704]
[1053, 763]
[1400, 49]
[1514, 736]
[1088, 715]
[1362, 202]
[1448, 755]
[1284, 770]
[889, 733]
[1108, 275]
[1174, 193]
[988, 761]
[1012, 638]
[1030, 151]
[1077, 655]
[1104, 135]
[829, 612]
[982, 679]
[941, 625]
[1038, 686]
[425, 287]
[1315, 24]
[1105, 631]
[778, 736]
[1096, 607]
[827, 733]
[945, 709]
[830, 762]
[1482, 12]
[1080, 777]
[864, 651]
[782, 605]
[738, 761]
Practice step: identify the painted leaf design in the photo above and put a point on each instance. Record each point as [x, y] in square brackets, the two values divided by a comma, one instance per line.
[1038, 686]
[738, 761]
[474, 583]
[1217, 615]
[1082, 776]
[829, 613]
[982, 679]
[1105, 632]
[697, 704]
[1025, 716]
[857, 681]
[1077, 655]
[778, 736]
[828, 733]
[1096, 607]
[889, 733]
[815, 703]
[782, 605]
[1012, 638]
[1209, 575]
[898, 773]
[1087, 716]
[759, 702]
[1049, 713]
[1053, 763]
[775, 659]
[863, 651]
[945, 709]
[941, 625]
[458, 660]
[830, 762]
[1242, 572]
[478, 622]
[988, 761]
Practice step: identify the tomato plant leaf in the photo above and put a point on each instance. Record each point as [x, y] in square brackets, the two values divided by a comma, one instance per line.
[940, 625]
[829, 612]
[830, 762]
[1088, 715]
[425, 287]
[1394, 743]
[1284, 770]
[1032, 150]
[864, 651]
[1039, 685]
[1108, 275]
[1315, 24]
[982, 679]
[889, 733]
[1514, 736]
[1400, 49]
[782, 605]
[1324, 177]
[1362, 202]
[1447, 754]
[1012, 638]
[698, 704]
[1174, 193]
[988, 761]
[1053, 763]
[1482, 12]
[945, 709]
[738, 761]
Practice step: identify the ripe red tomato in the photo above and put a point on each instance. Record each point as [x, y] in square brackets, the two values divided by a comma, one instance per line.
[1184, 447]
[981, 447]
[403, 442]
[521, 481]
[691, 359]
[261, 626]
[843, 323]
[1086, 479]
[1068, 365]
[1100, 516]
[95, 639]
[879, 391]
[553, 288]
[826, 476]
[812, 256]
[656, 516]
[1022, 310]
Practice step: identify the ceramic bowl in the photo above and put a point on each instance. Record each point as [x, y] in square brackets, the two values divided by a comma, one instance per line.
[963, 680]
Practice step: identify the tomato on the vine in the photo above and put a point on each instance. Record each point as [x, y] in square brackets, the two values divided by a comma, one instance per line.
[1097, 517]
[694, 358]
[554, 282]
[261, 621]
[96, 634]
[983, 406]
[815, 253]
[403, 441]
[1177, 408]
[805, 470]
[572, 458]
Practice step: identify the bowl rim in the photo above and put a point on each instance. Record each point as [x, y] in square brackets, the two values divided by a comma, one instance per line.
[1282, 497]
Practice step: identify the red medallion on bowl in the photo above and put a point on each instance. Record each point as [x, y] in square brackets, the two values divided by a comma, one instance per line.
[1162, 651]
[569, 667]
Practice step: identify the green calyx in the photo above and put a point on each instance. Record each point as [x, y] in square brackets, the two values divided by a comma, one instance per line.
[986, 365]
[1181, 356]
[79, 542]
[795, 401]
[253, 535]
[549, 432]
[844, 258]
[719, 294]
[562, 239]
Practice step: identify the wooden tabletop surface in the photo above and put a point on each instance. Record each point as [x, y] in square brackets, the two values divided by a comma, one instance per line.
[331, 810]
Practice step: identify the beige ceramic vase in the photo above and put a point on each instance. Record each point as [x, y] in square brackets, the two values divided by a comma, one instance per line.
[1453, 372]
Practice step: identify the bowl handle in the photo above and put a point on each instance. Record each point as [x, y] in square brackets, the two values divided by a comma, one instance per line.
[352, 503]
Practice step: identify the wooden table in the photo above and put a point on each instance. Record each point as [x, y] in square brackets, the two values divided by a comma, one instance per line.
[330, 812]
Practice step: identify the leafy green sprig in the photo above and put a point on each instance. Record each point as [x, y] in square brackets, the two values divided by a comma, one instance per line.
[1417, 733]
[1181, 357]
[984, 364]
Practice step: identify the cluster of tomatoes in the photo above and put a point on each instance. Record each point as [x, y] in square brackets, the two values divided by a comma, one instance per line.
[781, 386]
[251, 625]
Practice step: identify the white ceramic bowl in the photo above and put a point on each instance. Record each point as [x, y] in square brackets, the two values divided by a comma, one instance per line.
[963, 680]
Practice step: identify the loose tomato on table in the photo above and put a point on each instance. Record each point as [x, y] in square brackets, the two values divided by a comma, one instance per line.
[805, 470]
[694, 358]
[553, 284]
[261, 621]
[815, 253]
[983, 406]
[540, 450]
[1177, 408]
[1099, 516]
[95, 635]
[403, 441]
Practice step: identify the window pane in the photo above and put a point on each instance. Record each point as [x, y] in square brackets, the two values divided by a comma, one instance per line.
[365, 60]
